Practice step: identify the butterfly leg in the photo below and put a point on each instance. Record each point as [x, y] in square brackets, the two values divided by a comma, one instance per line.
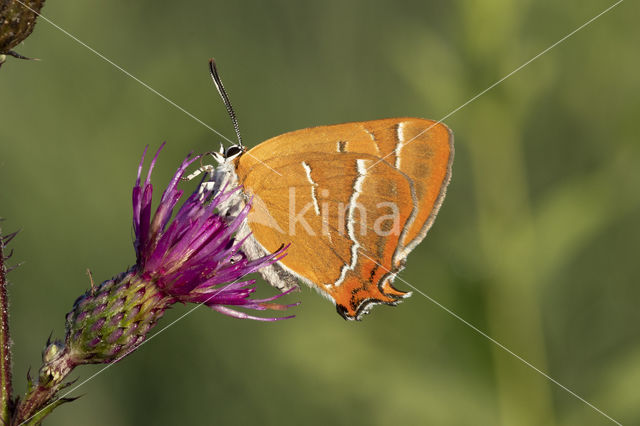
[208, 186]
[205, 186]
[207, 168]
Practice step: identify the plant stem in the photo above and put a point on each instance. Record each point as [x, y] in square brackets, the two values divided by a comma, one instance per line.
[41, 398]
[5, 342]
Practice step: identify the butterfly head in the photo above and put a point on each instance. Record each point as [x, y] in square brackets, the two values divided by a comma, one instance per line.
[230, 153]
[233, 151]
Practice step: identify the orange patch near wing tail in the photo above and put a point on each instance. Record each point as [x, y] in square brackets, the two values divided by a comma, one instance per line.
[361, 289]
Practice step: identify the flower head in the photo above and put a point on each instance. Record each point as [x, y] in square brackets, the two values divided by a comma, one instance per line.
[191, 256]
[194, 257]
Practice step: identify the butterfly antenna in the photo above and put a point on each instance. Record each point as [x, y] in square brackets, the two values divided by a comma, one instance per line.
[223, 94]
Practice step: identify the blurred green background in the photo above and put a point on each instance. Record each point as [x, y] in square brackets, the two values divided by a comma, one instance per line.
[536, 244]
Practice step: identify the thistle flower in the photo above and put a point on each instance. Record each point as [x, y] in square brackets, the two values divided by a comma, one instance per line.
[192, 258]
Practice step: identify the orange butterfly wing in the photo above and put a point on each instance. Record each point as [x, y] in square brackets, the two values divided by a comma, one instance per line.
[352, 199]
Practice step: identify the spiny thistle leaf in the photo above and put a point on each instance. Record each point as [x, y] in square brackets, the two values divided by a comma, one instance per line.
[40, 415]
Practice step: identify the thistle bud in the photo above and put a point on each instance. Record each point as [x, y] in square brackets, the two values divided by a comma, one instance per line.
[111, 320]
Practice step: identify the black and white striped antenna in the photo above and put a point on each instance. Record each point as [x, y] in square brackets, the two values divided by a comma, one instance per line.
[225, 98]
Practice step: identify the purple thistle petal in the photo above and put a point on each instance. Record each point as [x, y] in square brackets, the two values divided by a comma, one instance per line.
[144, 154]
[236, 314]
[142, 237]
[195, 257]
[137, 204]
[277, 296]
[155, 261]
[137, 192]
[153, 163]
[164, 211]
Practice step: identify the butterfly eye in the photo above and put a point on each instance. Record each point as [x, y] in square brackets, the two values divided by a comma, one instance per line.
[232, 151]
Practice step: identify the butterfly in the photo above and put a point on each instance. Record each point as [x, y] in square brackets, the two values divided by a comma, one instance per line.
[352, 200]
